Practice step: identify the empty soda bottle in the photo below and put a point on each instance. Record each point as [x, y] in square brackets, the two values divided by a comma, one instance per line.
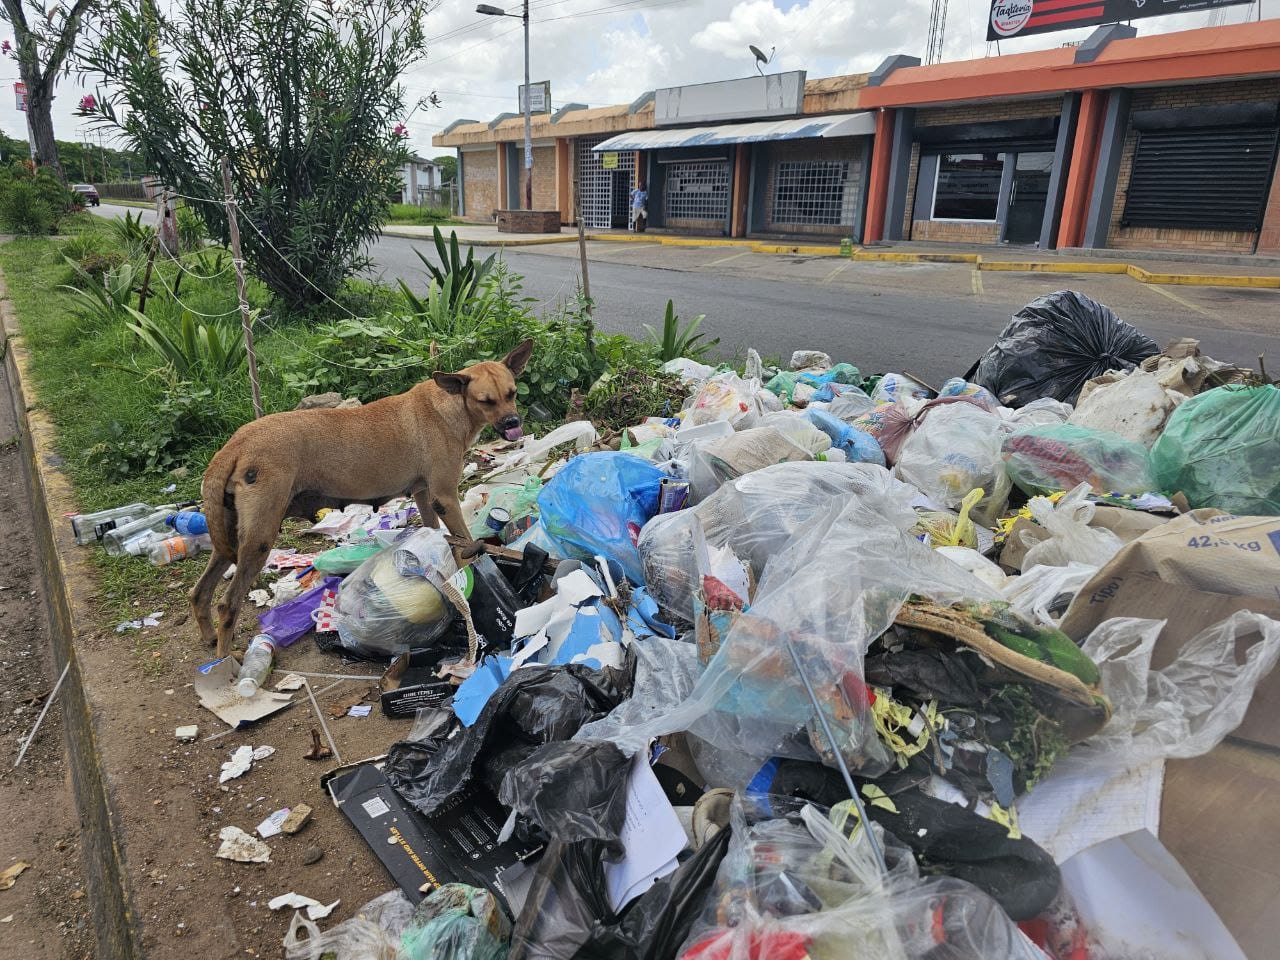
[90, 527]
[190, 523]
[256, 665]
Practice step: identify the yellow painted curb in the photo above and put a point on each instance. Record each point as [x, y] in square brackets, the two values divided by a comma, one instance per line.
[1041, 266]
[887, 257]
[754, 246]
[1202, 279]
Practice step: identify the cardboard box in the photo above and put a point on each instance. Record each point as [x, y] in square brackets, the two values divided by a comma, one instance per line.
[410, 684]
[1193, 572]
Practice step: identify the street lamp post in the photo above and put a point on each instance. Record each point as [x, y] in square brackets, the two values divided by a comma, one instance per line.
[492, 11]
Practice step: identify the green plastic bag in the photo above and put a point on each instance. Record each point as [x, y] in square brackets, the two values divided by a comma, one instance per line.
[1061, 456]
[344, 560]
[1222, 449]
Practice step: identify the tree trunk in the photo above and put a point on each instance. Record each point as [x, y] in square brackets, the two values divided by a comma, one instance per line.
[40, 121]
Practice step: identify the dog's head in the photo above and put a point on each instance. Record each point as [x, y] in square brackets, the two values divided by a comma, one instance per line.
[488, 390]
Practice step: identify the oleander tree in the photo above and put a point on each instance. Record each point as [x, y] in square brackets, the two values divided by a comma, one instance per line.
[44, 40]
[303, 98]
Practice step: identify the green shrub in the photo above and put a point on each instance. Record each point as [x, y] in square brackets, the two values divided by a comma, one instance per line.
[100, 301]
[192, 233]
[132, 234]
[677, 340]
[25, 212]
[192, 350]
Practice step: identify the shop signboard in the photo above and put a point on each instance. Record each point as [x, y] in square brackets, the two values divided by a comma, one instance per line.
[1021, 18]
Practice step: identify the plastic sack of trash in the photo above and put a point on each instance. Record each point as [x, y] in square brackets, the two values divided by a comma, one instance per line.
[1135, 407]
[1053, 345]
[1063, 456]
[890, 424]
[960, 387]
[796, 427]
[850, 404]
[713, 463]
[1186, 708]
[728, 397]
[393, 602]
[898, 386]
[1220, 449]
[953, 451]
[805, 884]
[829, 588]
[456, 922]
[857, 447]
[598, 503]
[754, 516]
[372, 934]
[1037, 413]
[1065, 534]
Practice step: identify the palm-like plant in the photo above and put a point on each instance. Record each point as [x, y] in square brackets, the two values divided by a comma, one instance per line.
[467, 275]
[192, 349]
[679, 341]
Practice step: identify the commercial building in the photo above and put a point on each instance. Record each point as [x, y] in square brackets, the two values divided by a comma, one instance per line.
[1165, 142]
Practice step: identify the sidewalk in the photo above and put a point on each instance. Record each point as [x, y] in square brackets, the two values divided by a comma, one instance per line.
[479, 235]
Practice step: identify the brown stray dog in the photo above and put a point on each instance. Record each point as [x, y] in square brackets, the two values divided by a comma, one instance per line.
[295, 463]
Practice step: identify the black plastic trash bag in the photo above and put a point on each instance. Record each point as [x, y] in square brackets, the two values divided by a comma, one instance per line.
[1053, 345]
[572, 791]
[534, 705]
[946, 839]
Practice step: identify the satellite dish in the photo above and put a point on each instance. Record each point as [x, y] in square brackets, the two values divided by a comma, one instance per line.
[760, 57]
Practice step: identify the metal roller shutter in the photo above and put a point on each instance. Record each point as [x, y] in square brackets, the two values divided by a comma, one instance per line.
[1209, 179]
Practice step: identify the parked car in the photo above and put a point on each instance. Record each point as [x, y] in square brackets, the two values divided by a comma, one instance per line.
[89, 192]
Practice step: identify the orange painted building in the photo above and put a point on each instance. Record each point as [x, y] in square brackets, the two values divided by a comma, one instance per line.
[1159, 142]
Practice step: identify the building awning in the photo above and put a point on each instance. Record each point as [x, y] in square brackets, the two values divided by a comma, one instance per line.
[801, 128]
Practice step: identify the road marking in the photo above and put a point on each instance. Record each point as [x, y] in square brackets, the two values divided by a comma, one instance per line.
[628, 247]
[1180, 300]
[977, 282]
[837, 271]
[716, 263]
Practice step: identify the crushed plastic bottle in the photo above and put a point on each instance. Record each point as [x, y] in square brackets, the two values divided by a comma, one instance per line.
[256, 665]
[190, 523]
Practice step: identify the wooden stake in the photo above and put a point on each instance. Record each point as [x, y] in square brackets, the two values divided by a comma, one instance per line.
[151, 259]
[246, 321]
[586, 279]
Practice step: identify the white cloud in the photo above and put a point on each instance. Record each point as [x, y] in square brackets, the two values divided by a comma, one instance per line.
[612, 57]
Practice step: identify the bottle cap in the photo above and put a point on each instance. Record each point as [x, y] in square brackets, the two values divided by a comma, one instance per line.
[246, 687]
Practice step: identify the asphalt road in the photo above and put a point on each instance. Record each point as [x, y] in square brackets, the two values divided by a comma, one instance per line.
[933, 320]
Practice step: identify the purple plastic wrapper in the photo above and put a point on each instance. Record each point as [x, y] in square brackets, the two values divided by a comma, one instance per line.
[291, 620]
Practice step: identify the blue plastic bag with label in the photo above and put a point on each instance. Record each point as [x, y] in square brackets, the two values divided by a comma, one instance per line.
[598, 503]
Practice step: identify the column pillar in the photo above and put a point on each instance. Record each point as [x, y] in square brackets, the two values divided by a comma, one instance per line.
[1084, 158]
[904, 123]
[1110, 150]
[741, 189]
[878, 179]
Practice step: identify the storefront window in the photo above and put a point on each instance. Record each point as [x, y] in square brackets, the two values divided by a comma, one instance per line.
[968, 186]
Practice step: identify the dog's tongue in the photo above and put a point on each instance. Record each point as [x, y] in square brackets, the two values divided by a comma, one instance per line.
[513, 433]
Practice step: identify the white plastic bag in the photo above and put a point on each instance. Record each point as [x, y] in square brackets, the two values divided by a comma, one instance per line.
[727, 397]
[954, 450]
[712, 464]
[1135, 407]
[1044, 592]
[978, 565]
[372, 934]
[1186, 708]
[1037, 413]
[581, 433]
[1070, 538]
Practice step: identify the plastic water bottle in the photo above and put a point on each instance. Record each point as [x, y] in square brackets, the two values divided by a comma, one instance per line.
[116, 541]
[256, 665]
[90, 527]
[190, 523]
[164, 551]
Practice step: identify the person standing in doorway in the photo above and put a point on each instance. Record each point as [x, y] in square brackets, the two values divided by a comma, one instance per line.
[639, 211]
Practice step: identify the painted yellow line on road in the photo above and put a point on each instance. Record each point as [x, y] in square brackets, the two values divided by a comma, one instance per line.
[976, 274]
[836, 272]
[1181, 301]
[635, 246]
[732, 256]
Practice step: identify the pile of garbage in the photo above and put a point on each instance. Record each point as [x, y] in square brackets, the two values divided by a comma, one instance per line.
[820, 666]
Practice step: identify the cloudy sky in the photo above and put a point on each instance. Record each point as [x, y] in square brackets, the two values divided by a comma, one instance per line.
[610, 51]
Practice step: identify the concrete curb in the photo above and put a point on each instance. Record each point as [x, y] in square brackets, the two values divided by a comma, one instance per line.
[527, 242]
[51, 496]
[754, 246]
[1135, 272]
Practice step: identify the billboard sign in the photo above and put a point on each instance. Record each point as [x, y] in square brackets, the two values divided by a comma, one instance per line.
[539, 97]
[20, 95]
[1021, 18]
[752, 98]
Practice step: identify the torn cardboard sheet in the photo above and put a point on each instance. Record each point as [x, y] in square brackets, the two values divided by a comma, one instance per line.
[215, 685]
[241, 847]
[315, 909]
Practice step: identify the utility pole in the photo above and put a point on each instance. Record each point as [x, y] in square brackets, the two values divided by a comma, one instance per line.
[528, 122]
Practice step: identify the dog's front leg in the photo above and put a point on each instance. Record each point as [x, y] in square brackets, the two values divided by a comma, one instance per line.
[444, 502]
[425, 510]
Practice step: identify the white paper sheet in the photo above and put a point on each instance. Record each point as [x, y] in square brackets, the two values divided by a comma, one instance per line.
[651, 834]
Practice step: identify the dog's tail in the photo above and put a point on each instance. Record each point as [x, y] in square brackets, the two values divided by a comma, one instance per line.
[220, 502]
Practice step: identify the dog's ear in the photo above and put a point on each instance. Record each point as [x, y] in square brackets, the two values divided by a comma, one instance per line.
[453, 383]
[517, 358]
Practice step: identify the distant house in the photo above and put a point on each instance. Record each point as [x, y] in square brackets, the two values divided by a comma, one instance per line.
[419, 181]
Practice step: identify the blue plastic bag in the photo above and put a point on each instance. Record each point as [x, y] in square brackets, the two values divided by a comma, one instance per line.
[858, 447]
[598, 503]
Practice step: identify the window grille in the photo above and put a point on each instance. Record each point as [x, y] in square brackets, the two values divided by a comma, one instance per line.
[697, 190]
[596, 184]
[813, 192]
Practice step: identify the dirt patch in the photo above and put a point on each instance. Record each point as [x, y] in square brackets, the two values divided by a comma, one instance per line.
[44, 916]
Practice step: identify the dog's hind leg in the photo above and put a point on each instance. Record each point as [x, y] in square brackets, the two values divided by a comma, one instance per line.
[425, 510]
[249, 562]
[202, 595]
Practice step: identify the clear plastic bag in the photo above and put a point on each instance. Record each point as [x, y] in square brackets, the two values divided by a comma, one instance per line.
[598, 503]
[797, 887]
[898, 386]
[954, 450]
[960, 387]
[797, 428]
[1062, 456]
[754, 515]
[1186, 708]
[712, 464]
[393, 602]
[857, 446]
[1037, 413]
[728, 397]
[372, 934]
[456, 922]
[1135, 407]
[1220, 450]
[1068, 536]
[1044, 592]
